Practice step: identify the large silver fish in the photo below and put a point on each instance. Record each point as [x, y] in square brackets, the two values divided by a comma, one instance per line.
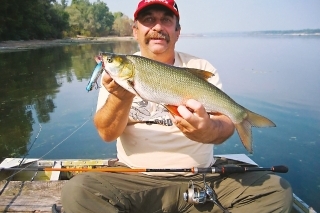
[172, 86]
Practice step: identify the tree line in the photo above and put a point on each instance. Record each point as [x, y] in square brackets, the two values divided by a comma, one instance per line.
[49, 19]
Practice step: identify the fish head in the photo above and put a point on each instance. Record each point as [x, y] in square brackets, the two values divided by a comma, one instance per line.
[118, 66]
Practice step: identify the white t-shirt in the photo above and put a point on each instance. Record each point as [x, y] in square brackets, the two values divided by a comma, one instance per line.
[161, 144]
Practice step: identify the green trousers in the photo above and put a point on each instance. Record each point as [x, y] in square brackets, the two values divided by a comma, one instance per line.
[97, 192]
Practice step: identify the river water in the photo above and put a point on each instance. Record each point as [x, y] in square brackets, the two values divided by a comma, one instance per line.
[45, 111]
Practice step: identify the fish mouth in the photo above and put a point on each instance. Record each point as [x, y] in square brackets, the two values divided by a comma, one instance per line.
[105, 57]
[99, 58]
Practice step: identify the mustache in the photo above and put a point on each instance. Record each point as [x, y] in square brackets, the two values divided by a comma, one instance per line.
[157, 35]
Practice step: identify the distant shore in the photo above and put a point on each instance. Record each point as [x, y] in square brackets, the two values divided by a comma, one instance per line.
[32, 44]
[7, 46]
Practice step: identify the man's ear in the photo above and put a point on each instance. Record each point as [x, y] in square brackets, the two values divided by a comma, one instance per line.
[178, 33]
[134, 32]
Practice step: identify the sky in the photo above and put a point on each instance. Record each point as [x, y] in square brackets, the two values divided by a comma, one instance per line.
[203, 16]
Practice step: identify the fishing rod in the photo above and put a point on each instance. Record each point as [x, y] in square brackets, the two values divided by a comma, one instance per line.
[194, 170]
[193, 195]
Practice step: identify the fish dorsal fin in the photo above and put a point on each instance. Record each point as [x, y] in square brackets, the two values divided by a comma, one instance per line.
[200, 73]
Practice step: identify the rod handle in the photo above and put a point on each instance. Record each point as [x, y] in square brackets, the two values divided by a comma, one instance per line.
[280, 169]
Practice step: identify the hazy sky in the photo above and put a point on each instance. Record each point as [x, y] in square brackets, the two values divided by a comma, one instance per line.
[200, 16]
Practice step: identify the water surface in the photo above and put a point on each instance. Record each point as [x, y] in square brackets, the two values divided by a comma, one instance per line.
[45, 111]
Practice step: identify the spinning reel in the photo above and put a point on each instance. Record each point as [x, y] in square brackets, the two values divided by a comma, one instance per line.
[196, 195]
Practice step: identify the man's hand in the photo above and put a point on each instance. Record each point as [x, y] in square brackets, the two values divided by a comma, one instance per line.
[196, 124]
[115, 89]
[112, 118]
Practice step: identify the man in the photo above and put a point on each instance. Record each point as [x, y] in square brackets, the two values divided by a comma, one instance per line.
[160, 140]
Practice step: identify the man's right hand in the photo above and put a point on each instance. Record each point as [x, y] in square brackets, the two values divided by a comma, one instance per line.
[112, 118]
[115, 89]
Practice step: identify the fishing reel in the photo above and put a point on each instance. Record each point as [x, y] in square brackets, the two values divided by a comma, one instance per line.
[198, 195]
[194, 194]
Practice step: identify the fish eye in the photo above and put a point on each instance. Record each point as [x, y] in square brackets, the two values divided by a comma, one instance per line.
[109, 59]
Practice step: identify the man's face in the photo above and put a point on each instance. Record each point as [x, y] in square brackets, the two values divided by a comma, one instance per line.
[156, 31]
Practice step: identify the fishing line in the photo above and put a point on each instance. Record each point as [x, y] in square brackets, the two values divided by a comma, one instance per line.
[31, 145]
[22, 160]
[65, 139]
[90, 116]
[86, 121]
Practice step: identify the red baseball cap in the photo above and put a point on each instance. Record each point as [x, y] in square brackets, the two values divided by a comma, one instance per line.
[170, 4]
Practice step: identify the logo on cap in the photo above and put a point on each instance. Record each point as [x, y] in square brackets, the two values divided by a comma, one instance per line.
[163, 1]
[170, 4]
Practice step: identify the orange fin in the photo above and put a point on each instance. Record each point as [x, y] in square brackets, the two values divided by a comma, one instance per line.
[244, 128]
[200, 73]
[215, 113]
[245, 134]
[172, 109]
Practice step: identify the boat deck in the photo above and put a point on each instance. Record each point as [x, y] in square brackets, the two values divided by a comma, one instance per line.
[37, 192]
[27, 196]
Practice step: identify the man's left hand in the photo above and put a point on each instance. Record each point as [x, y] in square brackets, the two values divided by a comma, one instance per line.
[196, 124]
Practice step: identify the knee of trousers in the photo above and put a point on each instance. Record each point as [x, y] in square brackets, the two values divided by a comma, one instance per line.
[269, 193]
[92, 191]
[280, 190]
[71, 188]
[72, 191]
[285, 192]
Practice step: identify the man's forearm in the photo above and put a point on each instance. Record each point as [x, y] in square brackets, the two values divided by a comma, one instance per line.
[223, 129]
[112, 118]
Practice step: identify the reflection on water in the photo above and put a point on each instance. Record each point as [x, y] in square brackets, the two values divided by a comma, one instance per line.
[30, 82]
[276, 77]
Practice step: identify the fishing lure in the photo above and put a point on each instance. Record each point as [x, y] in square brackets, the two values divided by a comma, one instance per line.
[95, 75]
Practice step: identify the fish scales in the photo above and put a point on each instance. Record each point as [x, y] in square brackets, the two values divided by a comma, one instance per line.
[173, 86]
[163, 84]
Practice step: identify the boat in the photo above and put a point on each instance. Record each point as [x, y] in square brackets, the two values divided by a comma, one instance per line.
[30, 185]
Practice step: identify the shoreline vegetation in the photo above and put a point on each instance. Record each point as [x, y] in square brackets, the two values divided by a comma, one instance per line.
[39, 23]
[13, 45]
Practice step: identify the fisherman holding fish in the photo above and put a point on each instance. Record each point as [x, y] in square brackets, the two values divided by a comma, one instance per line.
[155, 128]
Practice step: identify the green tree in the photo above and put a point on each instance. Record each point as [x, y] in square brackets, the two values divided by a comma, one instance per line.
[76, 20]
[102, 19]
[89, 19]
[46, 19]
[117, 15]
[33, 19]
[59, 20]
[122, 25]
[64, 3]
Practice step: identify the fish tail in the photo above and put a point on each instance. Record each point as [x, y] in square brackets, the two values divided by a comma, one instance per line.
[244, 128]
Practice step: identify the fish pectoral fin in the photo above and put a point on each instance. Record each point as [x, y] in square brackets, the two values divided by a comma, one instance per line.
[215, 113]
[200, 73]
[172, 109]
[130, 87]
